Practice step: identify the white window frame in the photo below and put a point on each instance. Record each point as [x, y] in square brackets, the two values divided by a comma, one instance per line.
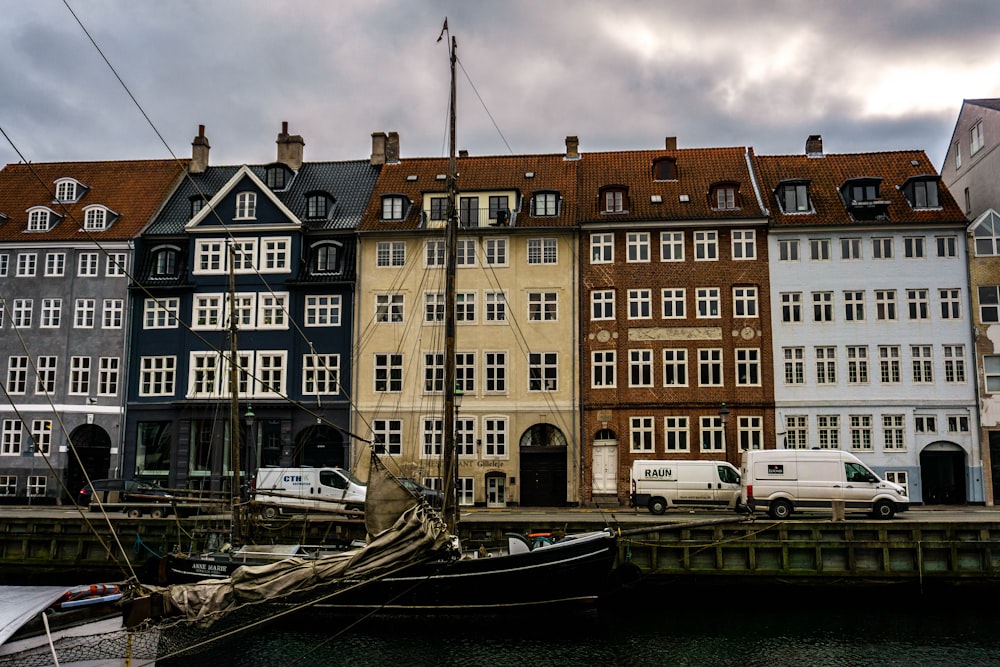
[673, 300]
[602, 304]
[603, 364]
[157, 375]
[671, 246]
[602, 248]
[744, 244]
[323, 310]
[642, 434]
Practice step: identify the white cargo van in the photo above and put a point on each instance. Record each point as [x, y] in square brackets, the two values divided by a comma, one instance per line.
[702, 484]
[279, 490]
[784, 480]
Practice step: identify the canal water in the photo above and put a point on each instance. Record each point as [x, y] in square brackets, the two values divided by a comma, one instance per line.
[761, 626]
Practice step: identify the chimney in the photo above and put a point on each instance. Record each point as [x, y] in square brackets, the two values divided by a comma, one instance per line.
[463, 152]
[290, 148]
[392, 148]
[671, 143]
[814, 145]
[378, 148]
[199, 153]
[572, 148]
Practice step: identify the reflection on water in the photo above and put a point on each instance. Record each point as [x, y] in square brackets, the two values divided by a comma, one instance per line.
[741, 626]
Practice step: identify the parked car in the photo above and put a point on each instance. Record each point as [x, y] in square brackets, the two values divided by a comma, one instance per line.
[432, 496]
[131, 496]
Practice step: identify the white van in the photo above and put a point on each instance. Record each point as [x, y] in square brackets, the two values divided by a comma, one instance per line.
[307, 490]
[784, 480]
[702, 484]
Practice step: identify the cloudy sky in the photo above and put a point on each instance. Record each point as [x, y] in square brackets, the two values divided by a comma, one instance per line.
[620, 74]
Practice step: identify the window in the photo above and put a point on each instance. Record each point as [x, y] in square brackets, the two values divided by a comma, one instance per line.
[207, 311]
[79, 376]
[826, 365]
[640, 304]
[747, 367]
[322, 310]
[95, 219]
[706, 246]
[51, 313]
[822, 306]
[602, 365]
[4, 265]
[543, 306]
[496, 251]
[38, 220]
[794, 360]
[986, 235]
[41, 434]
[925, 423]
[744, 302]
[888, 362]
[796, 432]
[246, 206]
[857, 364]
[791, 306]
[991, 364]
[390, 253]
[673, 303]
[913, 247]
[637, 245]
[317, 205]
[543, 371]
[828, 429]
[499, 209]
[465, 307]
[968, 201]
[465, 372]
[45, 380]
[976, 141]
[439, 208]
[17, 375]
[434, 307]
[640, 368]
[850, 249]
[545, 204]
[724, 197]
[465, 252]
[882, 248]
[710, 367]
[275, 255]
[793, 197]
[951, 308]
[87, 264]
[958, 424]
[854, 306]
[788, 250]
[665, 169]
[713, 435]
[393, 207]
[83, 313]
[958, 155]
[432, 436]
[8, 485]
[861, 190]
[989, 303]
[66, 190]
[55, 264]
[676, 434]
[947, 246]
[707, 301]
[923, 363]
[10, 437]
[117, 264]
[26, 265]
[210, 256]
[641, 434]
[602, 248]
[388, 308]
[614, 201]
[954, 363]
[602, 304]
[321, 374]
[108, 376]
[921, 193]
[744, 244]
[387, 435]
[495, 437]
[892, 432]
[157, 376]
[21, 317]
[819, 250]
[542, 251]
[36, 485]
[918, 304]
[197, 203]
[675, 368]
[274, 177]
[433, 253]
[495, 367]
[433, 373]
[496, 306]
[388, 373]
[750, 431]
[861, 432]
[885, 304]
[326, 258]
[671, 246]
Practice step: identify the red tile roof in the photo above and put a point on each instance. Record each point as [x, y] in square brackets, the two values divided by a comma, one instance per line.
[133, 189]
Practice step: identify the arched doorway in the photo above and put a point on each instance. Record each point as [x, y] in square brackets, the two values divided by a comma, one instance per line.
[604, 463]
[320, 446]
[543, 467]
[942, 474]
[93, 447]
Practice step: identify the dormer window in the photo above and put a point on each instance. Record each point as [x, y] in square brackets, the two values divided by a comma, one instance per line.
[276, 177]
[922, 192]
[197, 203]
[246, 206]
[95, 218]
[665, 169]
[393, 207]
[68, 190]
[165, 262]
[317, 205]
[40, 219]
[326, 257]
[725, 197]
[545, 204]
[614, 200]
[863, 200]
[439, 208]
[793, 196]
[4, 218]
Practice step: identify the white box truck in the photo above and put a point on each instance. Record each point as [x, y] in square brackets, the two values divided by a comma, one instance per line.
[278, 490]
[658, 485]
[781, 481]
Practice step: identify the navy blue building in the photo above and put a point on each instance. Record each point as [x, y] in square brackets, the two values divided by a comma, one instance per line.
[273, 247]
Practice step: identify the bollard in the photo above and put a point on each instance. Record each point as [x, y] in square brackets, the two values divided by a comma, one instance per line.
[838, 510]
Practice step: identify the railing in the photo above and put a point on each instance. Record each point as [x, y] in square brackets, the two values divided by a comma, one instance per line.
[476, 218]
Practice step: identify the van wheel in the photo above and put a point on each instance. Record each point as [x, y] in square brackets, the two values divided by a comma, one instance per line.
[133, 512]
[780, 509]
[157, 513]
[657, 506]
[269, 512]
[884, 509]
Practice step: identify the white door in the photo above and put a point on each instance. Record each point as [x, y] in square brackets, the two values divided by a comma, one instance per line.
[495, 494]
[605, 467]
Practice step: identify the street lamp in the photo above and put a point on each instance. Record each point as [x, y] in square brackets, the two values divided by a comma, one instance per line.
[724, 414]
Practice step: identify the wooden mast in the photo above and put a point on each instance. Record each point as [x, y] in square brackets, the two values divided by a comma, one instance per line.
[234, 404]
[449, 471]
